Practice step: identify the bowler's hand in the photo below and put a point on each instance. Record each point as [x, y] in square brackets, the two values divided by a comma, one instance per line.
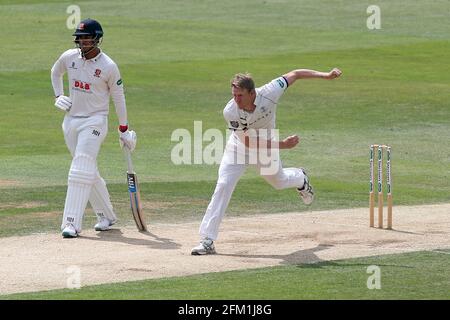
[290, 142]
[333, 74]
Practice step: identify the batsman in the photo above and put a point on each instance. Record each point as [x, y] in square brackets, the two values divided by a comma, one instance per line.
[250, 115]
[93, 77]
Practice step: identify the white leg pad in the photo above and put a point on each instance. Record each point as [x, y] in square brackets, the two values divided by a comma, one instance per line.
[100, 200]
[82, 176]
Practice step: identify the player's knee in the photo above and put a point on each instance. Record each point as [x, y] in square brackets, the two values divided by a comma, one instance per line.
[276, 183]
[83, 169]
[99, 179]
[223, 185]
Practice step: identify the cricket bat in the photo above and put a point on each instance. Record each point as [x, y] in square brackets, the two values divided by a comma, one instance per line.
[133, 190]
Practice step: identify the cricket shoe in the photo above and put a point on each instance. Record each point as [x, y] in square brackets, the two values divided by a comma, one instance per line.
[206, 246]
[104, 224]
[306, 192]
[69, 231]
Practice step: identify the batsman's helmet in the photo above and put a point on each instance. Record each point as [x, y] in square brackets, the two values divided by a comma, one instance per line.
[89, 27]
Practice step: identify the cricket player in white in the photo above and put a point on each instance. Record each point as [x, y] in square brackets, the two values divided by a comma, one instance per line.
[250, 115]
[93, 77]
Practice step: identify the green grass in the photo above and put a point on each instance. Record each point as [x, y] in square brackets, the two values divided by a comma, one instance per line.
[176, 59]
[357, 111]
[418, 275]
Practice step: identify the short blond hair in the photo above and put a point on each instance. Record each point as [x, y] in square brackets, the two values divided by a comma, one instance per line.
[243, 81]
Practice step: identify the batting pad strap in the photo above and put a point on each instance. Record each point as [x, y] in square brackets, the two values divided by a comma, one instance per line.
[83, 170]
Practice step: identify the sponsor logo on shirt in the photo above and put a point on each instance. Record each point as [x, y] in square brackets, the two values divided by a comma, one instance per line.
[263, 116]
[81, 86]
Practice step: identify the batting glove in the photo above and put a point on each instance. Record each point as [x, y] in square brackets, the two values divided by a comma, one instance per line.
[128, 139]
[64, 103]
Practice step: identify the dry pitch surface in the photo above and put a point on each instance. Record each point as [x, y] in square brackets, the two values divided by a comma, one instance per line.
[43, 261]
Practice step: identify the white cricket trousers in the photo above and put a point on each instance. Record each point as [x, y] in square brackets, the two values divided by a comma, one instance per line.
[84, 137]
[229, 175]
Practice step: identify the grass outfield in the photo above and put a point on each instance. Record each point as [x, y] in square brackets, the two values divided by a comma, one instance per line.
[418, 275]
[176, 69]
[176, 59]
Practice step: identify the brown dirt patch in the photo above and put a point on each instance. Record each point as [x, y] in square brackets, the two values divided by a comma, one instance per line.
[9, 183]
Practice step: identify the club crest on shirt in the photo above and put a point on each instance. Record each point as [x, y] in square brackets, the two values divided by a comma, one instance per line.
[97, 73]
[234, 124]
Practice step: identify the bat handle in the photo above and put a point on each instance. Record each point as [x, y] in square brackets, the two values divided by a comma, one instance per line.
[128, 157]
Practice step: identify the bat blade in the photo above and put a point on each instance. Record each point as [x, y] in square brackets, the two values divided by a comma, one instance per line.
[135, 201]
[135, 196]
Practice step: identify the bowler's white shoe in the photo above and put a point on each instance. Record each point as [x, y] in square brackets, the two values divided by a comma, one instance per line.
[104, 224]
[69, 231]
[206, 246]
[306, 192]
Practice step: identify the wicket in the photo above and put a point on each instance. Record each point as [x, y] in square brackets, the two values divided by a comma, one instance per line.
[379, 149]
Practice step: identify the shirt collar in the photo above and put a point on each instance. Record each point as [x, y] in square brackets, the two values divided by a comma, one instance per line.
[94, 59]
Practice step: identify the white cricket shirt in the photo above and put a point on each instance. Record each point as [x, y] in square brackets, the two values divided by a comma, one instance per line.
[91, 83]
[263, 117]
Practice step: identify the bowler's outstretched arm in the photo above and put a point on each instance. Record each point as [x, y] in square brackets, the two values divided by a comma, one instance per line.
[297, 74]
